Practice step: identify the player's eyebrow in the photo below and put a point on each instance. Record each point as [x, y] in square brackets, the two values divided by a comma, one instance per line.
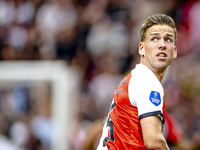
[169, 34]
[156, 33]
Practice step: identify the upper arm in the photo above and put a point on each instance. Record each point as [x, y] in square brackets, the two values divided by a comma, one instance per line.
[152, 133]
[148, 98]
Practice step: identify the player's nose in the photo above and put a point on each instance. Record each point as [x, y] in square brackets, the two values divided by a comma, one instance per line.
[162, 44]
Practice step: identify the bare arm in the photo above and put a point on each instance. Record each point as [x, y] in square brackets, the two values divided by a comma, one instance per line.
[152, 133]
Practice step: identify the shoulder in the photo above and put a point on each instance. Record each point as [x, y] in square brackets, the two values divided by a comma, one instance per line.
[142, 76]
[144, 85]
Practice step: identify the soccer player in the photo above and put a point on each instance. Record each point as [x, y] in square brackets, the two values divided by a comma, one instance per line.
[137, 113]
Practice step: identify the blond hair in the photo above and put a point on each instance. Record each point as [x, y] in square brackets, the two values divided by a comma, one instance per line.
[155, 20]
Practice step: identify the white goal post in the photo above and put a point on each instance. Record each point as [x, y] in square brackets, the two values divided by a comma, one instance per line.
[58, 74]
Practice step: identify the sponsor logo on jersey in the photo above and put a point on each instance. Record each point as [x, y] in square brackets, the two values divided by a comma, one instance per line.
[118, 91]
[123, 82]
[155, 98]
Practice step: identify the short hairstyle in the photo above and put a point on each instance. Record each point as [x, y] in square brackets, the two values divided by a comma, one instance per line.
[155, 20]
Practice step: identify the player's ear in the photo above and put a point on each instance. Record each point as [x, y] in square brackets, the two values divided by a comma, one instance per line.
[175, 52]
[141, 49]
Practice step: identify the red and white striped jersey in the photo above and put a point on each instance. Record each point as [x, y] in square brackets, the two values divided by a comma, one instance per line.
[138, 95]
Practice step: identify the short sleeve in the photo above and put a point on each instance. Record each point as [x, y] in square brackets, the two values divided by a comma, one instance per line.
[147, 96]
[149, 102]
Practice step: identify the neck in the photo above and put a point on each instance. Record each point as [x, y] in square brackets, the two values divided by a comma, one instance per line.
[158, 73]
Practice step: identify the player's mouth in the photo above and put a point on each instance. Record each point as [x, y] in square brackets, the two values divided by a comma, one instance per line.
[161, 55]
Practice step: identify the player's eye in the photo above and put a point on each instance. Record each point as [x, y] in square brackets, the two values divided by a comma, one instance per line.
[169, 40]
[154, 39]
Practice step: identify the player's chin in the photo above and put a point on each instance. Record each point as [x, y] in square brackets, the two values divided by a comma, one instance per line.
[164, 62]
[161, 66]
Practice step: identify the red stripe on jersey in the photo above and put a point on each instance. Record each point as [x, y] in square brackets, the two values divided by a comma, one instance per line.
[127, 129]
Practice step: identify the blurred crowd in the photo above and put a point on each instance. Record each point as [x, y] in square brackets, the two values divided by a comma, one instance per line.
[100, 39]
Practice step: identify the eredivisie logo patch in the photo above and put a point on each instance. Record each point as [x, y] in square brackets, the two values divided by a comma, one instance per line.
[155, 98]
